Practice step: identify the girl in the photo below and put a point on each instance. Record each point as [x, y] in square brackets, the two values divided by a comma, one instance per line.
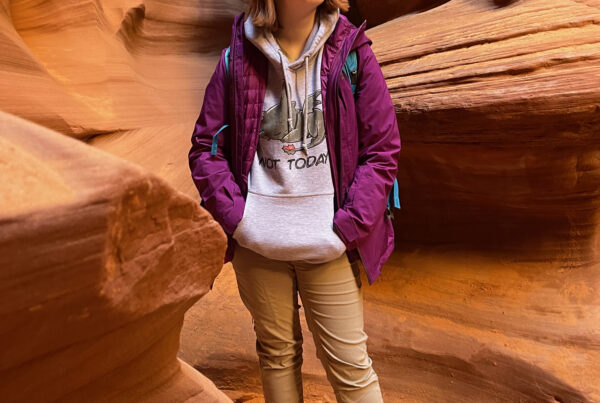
[297, 169]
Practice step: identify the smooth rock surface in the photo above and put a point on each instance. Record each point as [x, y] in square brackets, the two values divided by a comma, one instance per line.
[492, 294]
[99, 262]
[444, 325]
[111, 70]
[380, 11]
[499, 111]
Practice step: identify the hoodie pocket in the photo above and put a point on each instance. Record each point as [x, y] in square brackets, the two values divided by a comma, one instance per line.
[238, 229]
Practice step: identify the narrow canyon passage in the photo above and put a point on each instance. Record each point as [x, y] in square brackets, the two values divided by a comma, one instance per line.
[492, 293]
[443, 325]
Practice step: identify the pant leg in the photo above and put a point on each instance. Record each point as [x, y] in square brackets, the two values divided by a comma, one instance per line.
[333, 301]
[268, 289]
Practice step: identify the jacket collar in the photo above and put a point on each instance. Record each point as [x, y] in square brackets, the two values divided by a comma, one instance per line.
[337, 43]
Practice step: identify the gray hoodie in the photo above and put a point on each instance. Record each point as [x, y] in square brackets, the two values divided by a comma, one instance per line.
[289, 207]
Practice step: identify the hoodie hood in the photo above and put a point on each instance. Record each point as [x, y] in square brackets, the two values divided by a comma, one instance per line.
[265, 41]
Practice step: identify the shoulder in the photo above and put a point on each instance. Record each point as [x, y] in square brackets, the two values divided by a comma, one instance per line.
[239, 18]
[345, 27]
[237, 29]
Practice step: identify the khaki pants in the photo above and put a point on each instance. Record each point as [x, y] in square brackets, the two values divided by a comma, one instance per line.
[332, 296]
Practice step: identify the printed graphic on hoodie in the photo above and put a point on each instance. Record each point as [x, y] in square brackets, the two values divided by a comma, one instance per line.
[275, 123]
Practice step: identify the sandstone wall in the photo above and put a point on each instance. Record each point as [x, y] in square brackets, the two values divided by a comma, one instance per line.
[99, 262]
[493, 293]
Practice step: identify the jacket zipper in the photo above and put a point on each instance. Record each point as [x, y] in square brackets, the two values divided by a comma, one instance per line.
[334, 85]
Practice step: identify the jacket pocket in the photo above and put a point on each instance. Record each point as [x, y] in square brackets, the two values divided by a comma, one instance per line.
[235, 213]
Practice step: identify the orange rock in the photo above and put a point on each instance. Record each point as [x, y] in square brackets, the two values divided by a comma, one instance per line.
[100, 260]
[498, 110]
[378, 12]
[492, 292]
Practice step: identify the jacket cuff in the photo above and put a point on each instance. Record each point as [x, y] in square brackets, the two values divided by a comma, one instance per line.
[344, 227]
[231, 220]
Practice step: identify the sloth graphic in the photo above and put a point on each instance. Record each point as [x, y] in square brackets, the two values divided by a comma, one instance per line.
[275, 127]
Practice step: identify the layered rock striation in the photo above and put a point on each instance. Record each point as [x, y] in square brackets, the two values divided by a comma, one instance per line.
[99, 262]
[492, 294]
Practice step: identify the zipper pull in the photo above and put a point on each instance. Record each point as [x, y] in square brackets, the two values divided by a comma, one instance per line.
[215, 140]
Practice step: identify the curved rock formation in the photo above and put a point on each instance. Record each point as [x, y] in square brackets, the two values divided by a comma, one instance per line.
[97, 273]
[502, 122]
[499, 284]
[126, 76]
[493, 292]
[378, 12]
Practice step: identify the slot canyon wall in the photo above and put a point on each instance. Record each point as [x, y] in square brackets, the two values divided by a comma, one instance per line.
[97, 274]
[100, 258]
[106, 258]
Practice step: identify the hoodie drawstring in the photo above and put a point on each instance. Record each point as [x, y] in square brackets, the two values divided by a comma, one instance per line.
[288, 92]
[305, 107]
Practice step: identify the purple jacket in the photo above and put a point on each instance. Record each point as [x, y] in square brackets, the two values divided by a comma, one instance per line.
[362, 138]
